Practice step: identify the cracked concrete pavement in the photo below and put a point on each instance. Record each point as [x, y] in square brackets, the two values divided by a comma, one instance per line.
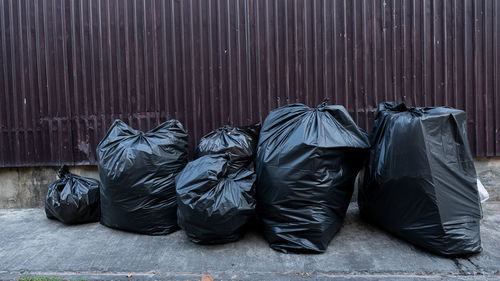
[31, 245]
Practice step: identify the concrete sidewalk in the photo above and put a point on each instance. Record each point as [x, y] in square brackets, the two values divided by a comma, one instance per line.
[31, 245]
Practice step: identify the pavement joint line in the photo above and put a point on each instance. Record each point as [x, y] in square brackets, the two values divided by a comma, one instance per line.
[478, 267]
[459, 266]
[295, 273]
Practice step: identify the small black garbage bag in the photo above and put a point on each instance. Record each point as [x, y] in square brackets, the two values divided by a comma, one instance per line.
[240, 143]
[214, 205]
[420, 182]
[306, 163]
[138, 172]
[73, 199]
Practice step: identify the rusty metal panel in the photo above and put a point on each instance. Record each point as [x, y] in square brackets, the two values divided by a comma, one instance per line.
[69, 68]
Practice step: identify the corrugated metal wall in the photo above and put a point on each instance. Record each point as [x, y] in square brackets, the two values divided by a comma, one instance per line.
[69, 68]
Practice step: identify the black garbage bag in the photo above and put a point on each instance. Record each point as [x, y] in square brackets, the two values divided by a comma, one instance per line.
[420, 182]
[73, 199]
[240, 143]
[214, 205]
[138, 173]
[306, 163]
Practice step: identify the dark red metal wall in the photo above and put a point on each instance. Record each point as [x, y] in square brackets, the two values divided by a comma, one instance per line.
[69, 68]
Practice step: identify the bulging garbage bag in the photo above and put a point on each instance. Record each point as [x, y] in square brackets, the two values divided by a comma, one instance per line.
[240, 143]
[138, 173]
[73, 199]
[306, 163]
[214, 205]
[420, 183]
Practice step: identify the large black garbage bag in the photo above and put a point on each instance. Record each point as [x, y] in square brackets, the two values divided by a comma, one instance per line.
[138, 173]
[73, 199]
[214, 205]
[240, 143]
[420, 183]
[306, 164]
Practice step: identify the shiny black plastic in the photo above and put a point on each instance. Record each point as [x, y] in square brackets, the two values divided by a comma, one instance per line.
[73, 199]
[420, 183]
[138, 173]
[214, 205]
[306, 164]
[240, 143]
